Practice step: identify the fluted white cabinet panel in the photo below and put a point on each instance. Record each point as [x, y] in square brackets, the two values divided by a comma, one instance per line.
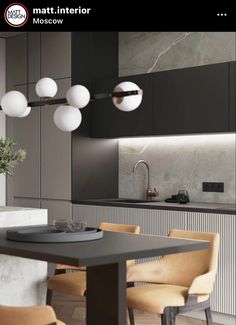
[152, 222]
[223, 296]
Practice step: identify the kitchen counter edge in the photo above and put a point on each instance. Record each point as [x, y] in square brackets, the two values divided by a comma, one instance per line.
[153, 206]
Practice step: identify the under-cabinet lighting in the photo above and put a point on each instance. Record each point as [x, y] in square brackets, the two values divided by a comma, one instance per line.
[181, 139]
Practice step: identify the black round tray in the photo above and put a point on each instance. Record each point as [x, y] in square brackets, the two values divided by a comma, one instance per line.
[48, 234]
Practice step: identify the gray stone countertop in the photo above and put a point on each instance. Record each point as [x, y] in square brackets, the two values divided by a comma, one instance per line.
[220, 208]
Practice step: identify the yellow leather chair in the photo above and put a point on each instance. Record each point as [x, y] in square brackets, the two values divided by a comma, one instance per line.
[178, 283]
[38, 315]
[74, 283]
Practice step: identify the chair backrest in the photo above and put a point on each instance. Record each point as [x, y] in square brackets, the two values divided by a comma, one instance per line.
[116, 227]
[106, 226]
[38, 315]
[182, 268]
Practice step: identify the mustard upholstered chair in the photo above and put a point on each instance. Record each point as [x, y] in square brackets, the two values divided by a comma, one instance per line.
[179, 282]
[74, 283]
[38, 315]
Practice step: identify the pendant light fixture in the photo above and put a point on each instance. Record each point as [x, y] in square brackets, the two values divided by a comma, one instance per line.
[78, 96]
[128, 103]
[26, 112]
[126, 96]
[14, 103]
[46, 88]
[67, 118]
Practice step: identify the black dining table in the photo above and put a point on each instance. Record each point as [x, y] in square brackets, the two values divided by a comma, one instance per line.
[106, 265]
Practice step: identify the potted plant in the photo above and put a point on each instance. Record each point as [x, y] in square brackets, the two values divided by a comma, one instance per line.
[9, 158]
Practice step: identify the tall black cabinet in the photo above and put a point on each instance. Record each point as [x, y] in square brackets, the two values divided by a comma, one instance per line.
[94, 161]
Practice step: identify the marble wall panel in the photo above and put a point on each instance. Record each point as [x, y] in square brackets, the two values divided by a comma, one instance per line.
[176, 161]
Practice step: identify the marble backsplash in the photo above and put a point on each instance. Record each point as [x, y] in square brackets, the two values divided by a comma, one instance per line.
[145, 52]
[178, 161]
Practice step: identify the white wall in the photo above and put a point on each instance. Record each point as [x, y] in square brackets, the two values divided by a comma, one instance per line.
[2, 116]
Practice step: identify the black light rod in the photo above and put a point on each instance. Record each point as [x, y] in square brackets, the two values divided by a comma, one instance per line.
[96, 96]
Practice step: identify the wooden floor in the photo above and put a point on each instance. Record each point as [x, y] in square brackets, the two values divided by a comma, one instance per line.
[71, 310]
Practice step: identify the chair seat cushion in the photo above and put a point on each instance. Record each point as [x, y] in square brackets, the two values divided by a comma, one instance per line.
[36, 315]
[73, 283]
[155, 298]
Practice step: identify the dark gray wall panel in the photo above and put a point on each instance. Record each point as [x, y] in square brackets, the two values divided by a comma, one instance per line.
[55, 158]
[95, 168]
[56, 55]
[16, 60]
[33, 56]
[55, 153]
[26, 132]
[26, 203]
[56, 209]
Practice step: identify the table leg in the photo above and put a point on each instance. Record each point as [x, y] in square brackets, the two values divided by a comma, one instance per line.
[106, 294]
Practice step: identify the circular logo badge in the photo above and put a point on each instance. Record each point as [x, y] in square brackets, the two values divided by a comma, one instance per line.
[16, 14]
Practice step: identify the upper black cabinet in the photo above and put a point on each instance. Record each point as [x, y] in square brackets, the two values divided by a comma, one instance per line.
[191, 100]
[182, 101]
[108, 122]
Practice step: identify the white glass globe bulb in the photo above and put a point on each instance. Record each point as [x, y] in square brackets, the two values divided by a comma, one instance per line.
[78, 96]
[26, 112]
[14, 103]
[127, 103]
[67, 118]
[46, 88]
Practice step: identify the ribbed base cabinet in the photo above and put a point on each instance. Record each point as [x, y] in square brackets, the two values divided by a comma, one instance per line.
[223, 296]
[159, 222]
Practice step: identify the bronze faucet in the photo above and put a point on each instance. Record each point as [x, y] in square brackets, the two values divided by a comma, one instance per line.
[149, 192]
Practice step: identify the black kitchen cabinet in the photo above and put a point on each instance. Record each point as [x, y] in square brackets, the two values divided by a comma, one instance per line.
[191, 100]
[182, 101]
[232, 92]
[109, 122]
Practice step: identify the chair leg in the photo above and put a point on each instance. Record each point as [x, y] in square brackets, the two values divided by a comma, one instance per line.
[165, 319]
[49, 297]
[131, 316]
[168, 317]
[208, 316]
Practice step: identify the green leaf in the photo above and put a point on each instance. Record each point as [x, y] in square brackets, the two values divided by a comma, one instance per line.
[10, 158]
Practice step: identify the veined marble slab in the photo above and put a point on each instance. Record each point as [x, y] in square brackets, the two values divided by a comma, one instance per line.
[22, 281]
[145, 52]
[178, 162]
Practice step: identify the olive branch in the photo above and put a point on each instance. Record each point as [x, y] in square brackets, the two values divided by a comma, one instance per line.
[9, 158]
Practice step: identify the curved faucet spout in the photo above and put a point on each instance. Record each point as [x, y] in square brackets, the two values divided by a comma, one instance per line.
[149, 192]
[148, 169]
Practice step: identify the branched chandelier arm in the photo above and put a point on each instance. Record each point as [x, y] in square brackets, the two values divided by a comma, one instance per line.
[126, 96]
